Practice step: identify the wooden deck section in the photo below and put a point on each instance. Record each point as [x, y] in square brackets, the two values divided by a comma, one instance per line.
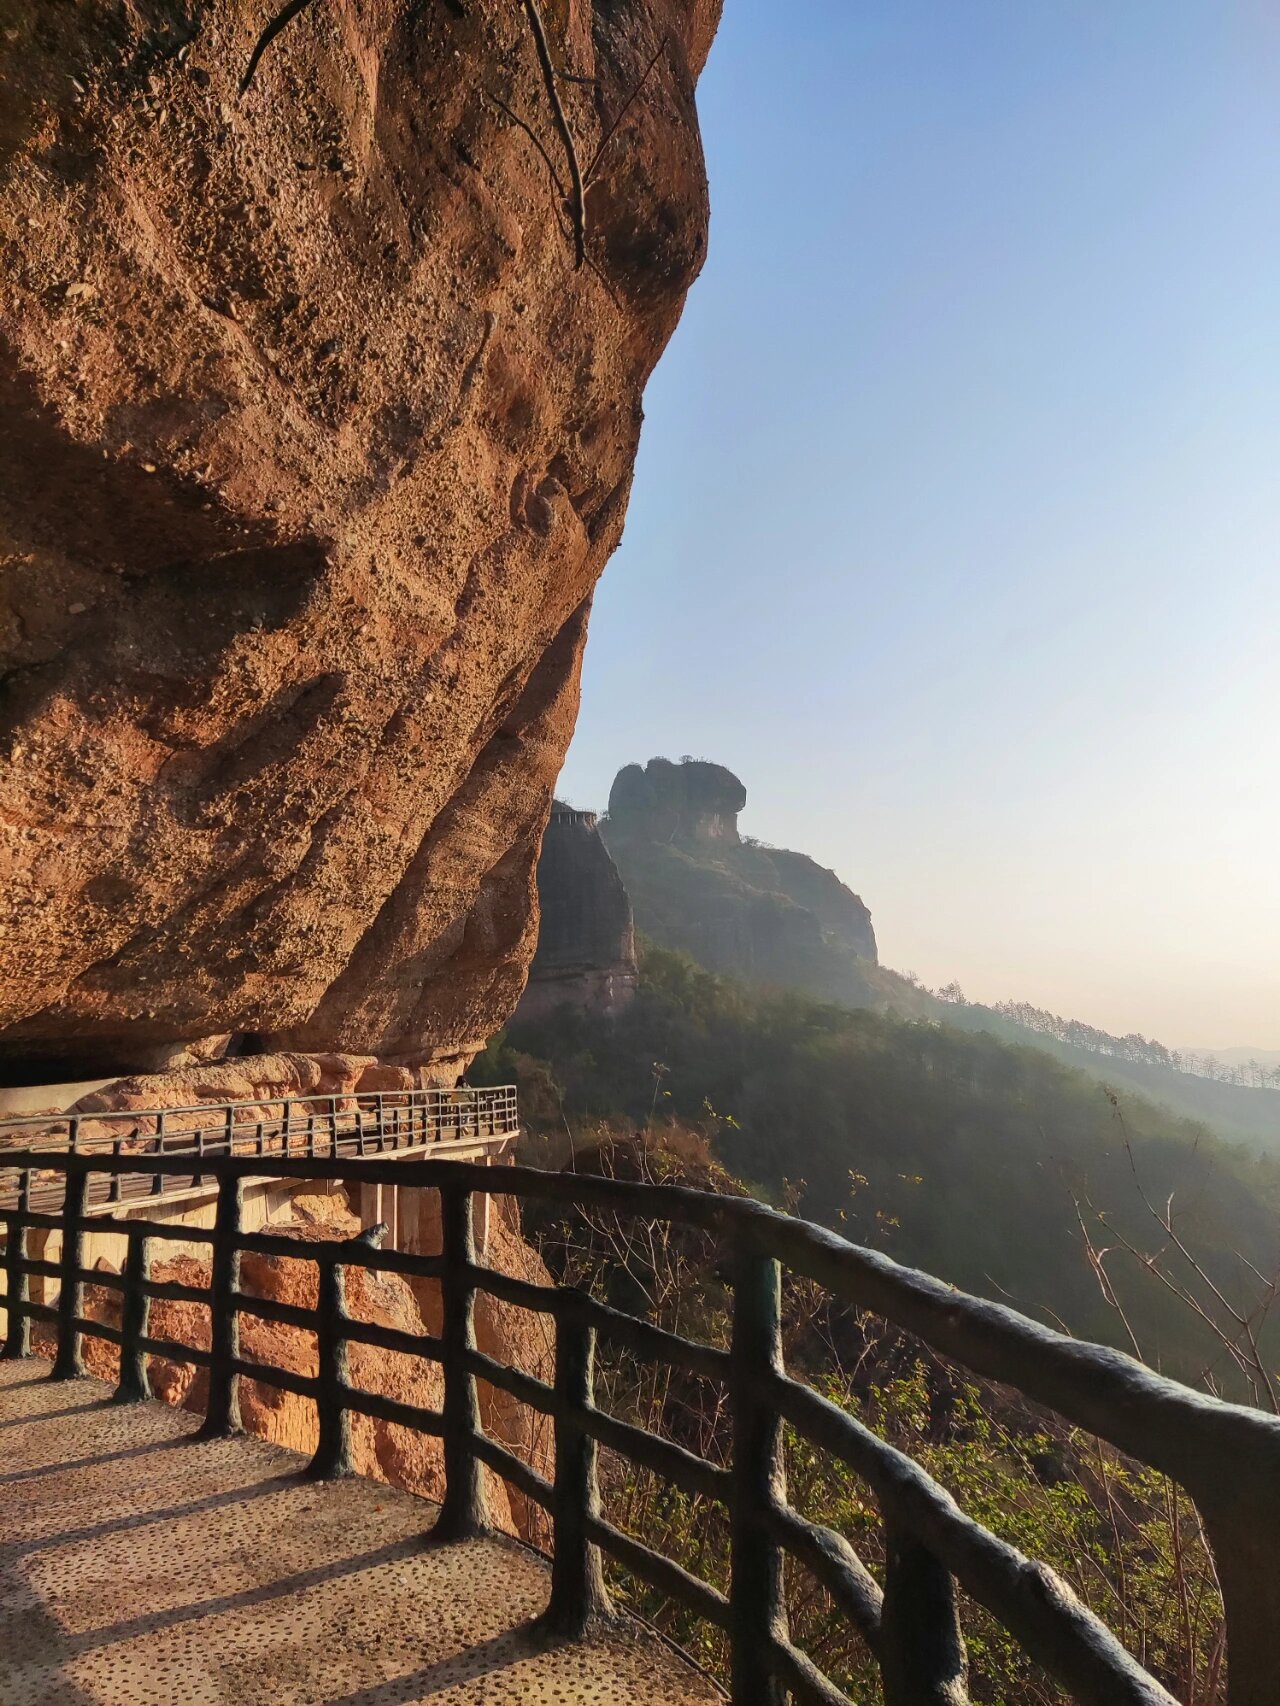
[142, 1567]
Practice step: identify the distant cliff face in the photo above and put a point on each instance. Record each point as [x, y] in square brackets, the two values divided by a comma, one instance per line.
[586, 945]
[767, 914]
[318, 417]
[842, 915]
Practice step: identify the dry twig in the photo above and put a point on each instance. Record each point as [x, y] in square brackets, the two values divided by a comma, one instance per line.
[625, 108]
[283, 18]
[533, 137]
[578, 196]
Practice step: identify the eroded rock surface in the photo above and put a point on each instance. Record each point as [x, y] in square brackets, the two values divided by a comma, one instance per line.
[690, 801]
[315, 443]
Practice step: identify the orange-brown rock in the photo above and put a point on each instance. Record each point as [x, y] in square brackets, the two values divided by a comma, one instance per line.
[384, 1450]
[260, 1083]
[315, 441]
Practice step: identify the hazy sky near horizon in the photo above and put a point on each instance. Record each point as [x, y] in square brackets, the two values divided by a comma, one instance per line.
[956, 525]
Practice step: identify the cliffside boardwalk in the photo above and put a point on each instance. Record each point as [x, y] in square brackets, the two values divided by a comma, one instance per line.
[1226, 1457]
[367, 1122]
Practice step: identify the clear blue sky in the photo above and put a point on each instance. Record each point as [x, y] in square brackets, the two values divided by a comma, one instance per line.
[956, 528]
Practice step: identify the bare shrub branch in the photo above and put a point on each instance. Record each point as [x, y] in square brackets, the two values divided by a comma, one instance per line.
[283, 18]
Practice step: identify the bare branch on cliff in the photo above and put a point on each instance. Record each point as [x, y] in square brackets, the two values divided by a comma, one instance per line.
[283, 18]
[533, 137]
[624, 109]
[618, 303]
[578, 196]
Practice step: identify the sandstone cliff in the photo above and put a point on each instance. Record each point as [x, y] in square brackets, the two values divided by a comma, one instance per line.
[689, 801]
[586, 939]
[318, 411]
[763, 913]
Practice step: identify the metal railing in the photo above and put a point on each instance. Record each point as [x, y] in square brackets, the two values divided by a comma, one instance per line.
[1228, 1458]
[353, 1124]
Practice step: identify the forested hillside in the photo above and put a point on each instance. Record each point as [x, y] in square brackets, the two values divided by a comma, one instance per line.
[958, 1151]
[782, 921]
[1236, 1109]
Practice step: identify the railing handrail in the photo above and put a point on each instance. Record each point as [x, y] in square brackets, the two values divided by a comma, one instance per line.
[466, 1094]
[1227, 1457]
[950, 1319]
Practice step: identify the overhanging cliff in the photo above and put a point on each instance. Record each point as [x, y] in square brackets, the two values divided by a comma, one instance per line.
[316, 439]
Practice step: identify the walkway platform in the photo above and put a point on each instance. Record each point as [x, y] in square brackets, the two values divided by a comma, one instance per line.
[142, 1567]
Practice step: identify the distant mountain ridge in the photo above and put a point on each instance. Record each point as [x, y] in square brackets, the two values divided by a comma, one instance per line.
[1246, 1057]
[1240, 1113]
[776, 918]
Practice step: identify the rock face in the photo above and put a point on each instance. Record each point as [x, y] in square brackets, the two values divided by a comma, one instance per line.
[762, 913]
[689, 801]
[586, 940]
[316, 439]
[266, 1079]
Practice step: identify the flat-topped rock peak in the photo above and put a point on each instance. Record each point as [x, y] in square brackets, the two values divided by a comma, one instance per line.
[767, 914]
[690, 801]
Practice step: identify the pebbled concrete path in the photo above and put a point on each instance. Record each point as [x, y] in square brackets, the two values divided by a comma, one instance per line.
[142, 1567]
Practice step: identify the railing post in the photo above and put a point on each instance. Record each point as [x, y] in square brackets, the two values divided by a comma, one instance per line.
[135, 1320]
[757, 1604]
[68, 1364]
[922, 1654]
[1238, 1496]
[17, 1340]
[231, 1130]
[464, 1514]
[223, 1414]
[157, 1179]
[115, 1191]
[579, 1599]
[334, 1456]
